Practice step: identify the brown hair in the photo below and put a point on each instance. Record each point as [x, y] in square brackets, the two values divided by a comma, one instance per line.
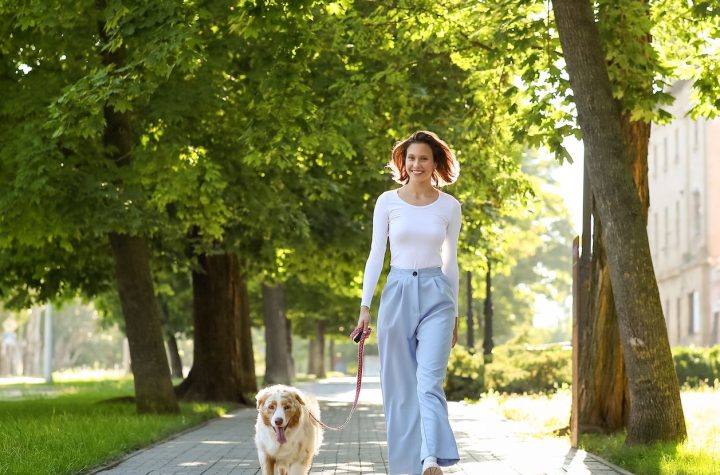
[447, 167]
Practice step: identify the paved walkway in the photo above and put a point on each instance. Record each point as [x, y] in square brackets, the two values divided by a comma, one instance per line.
[486, 443]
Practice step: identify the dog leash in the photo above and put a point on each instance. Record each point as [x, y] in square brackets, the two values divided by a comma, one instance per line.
[359, 336]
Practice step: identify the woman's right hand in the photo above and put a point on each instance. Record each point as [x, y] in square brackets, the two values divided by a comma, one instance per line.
[364, 318]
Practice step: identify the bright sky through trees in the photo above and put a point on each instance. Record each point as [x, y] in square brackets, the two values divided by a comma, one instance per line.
[569, 181]
[569, 176]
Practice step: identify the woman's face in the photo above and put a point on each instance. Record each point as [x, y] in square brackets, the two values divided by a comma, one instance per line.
[419, 162]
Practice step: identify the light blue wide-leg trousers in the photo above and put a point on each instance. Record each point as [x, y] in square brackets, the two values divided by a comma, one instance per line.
[415, 325]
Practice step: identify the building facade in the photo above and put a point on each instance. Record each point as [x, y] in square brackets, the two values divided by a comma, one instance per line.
[684, 222]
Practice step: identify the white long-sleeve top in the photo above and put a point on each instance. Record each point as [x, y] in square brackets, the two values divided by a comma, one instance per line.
[420, 237]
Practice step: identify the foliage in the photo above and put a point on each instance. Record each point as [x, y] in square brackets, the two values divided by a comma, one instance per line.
[695, 366]
[517, 369]
[275, 150]
[686, 34]
[57, 86]
[465, 374]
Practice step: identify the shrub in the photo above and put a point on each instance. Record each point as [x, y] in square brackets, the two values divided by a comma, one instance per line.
[697, 366]
[464, 375]
[520, 370]
[516, 368]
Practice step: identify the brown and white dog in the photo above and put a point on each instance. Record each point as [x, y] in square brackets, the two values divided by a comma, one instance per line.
[285, 436]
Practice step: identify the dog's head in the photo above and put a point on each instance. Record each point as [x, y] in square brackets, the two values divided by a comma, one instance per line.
[280, 408]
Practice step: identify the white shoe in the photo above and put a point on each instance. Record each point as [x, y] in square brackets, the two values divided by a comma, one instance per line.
[430, 467]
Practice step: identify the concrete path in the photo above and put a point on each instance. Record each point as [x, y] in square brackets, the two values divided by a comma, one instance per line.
[486, 443]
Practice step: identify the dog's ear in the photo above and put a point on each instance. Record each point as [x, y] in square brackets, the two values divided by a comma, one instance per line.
[299, 399]
[261, 397]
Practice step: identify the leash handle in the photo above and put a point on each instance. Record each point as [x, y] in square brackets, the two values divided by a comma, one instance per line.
[359, 335]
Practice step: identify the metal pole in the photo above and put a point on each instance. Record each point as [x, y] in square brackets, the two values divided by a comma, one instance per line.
[470, 322]
[47, 346]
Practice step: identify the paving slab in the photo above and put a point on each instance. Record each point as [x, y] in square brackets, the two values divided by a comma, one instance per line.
[486, 442]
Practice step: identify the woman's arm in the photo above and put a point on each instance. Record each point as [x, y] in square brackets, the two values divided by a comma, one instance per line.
[374, 264]
[449, 251]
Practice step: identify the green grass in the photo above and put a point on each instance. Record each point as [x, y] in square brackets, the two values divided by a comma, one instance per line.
[66, 428]
[548, 415]
[699, 455]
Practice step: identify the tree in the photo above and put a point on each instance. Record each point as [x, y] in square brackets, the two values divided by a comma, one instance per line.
[604, 403]
[540, 113]
[646, 349]
[76, 108]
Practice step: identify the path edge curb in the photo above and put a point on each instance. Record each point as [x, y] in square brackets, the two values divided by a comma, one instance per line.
[608, 463]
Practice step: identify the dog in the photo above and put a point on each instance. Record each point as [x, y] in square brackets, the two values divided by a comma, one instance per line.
[285, 436]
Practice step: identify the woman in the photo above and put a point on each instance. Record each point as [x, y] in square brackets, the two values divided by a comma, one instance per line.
[417, 318]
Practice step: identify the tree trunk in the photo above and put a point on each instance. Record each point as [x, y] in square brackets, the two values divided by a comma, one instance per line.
[278, 357]
[247, 355]
[312, 353]
[655, 409]
[151, 374]
[317, 351]
[289, 344]
[470, 317]
[176, 368]
[173, 354]
[603, 383]
[217, 371]
[604, 403]
[488, 342]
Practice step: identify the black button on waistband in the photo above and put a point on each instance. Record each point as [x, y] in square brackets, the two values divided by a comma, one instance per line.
[414, 273]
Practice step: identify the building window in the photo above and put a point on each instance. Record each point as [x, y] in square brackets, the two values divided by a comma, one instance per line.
[716, 329]
[694, 312]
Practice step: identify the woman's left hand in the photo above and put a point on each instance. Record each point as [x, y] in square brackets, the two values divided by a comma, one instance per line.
[455, 334]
